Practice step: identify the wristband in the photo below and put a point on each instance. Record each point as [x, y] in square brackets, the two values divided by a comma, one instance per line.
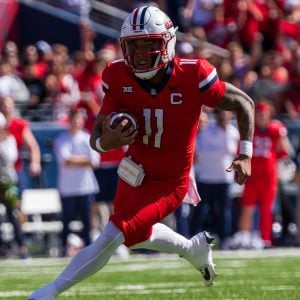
[246, 148]
[98, 145]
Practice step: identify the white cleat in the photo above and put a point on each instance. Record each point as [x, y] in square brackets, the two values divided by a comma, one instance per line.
[200, 256]
[208, 275]
[43, 293]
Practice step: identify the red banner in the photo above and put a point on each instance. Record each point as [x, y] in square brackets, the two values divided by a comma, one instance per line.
[8, 15]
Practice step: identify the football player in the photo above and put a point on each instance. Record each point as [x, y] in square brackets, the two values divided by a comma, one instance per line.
[165, 94]
[270, 144]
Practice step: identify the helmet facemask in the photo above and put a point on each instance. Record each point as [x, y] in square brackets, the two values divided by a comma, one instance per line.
[145, 61]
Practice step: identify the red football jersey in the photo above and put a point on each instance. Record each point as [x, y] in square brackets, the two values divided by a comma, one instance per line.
[167, 113]
[265, 144]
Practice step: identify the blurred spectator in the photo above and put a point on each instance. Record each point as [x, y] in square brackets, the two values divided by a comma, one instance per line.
[60, 53]
[240, 62]
[249, 80]
[201, 12]
[289, 23]
[12, 85]
[217, 31]
[290, 100]
[8, 184]
[44, 52]
[63, 87]
[216, 146]
[52, 87]
[25, 139]
[90, 82]
[185, 50]
[244, 17]
[19, 128]
[76, 181]
[11, 53]
[10, 47]
[270, 144]
[79, 64]
[36, 87]
[225, 70]
[30, 55]
[284, 211]
[107, 53]
[271, 81]
[269, 27]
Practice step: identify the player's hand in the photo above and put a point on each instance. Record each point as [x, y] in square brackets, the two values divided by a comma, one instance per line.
[242, 166]
[118, 137]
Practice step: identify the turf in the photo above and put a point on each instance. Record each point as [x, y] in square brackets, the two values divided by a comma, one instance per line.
[268, 275]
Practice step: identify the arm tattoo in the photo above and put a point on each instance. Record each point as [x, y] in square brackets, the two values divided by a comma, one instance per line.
[237, 101]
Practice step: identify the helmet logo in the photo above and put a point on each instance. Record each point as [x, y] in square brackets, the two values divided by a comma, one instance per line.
[168, 24]
[139, 18]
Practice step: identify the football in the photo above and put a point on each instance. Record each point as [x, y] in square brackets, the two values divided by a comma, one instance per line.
[117, 117]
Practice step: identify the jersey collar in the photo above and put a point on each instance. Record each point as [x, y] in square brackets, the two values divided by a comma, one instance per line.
[154, 89]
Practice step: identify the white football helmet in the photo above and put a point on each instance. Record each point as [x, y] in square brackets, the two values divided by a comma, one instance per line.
[148, 22]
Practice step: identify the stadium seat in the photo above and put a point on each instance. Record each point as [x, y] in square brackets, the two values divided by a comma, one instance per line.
[38, 202]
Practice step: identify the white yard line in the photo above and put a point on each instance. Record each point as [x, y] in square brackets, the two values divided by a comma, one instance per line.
[276, 252]
[149, 259]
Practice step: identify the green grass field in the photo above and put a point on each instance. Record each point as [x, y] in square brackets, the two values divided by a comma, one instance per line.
[269, 275]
